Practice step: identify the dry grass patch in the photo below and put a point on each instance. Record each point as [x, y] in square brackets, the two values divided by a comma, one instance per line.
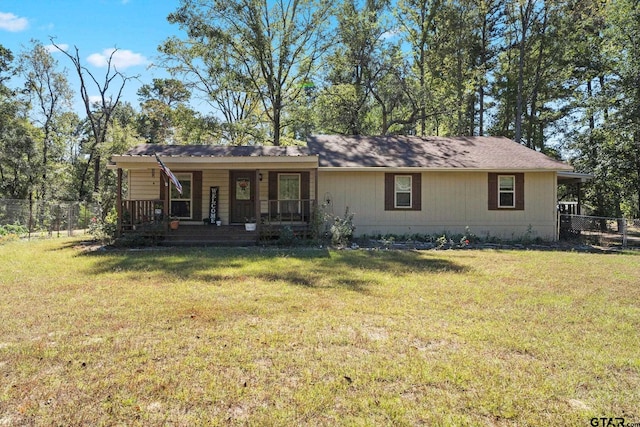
[316, 337]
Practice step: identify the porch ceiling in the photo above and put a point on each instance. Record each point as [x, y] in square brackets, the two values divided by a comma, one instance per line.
[565, 177]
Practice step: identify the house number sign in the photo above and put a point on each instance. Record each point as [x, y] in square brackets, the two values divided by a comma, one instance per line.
[213, 204]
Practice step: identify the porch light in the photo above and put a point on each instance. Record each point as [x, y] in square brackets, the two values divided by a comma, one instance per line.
[260, 176]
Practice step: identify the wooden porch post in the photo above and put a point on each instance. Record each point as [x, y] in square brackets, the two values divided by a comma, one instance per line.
[165, 208]
[579, 209]
[315, 190]
[257, 202]
[119, 203]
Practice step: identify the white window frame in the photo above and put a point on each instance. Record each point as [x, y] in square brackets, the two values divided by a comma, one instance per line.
[511, 191]
[183, 177]
[396, 191]
[282, 201]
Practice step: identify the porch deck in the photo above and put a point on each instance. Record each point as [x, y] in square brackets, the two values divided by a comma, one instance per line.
[146, 219]
[210, 235]
[194, 234]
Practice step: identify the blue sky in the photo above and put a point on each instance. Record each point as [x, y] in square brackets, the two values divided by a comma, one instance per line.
[134, 27]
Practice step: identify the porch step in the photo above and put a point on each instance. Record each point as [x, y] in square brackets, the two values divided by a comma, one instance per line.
[210, 235]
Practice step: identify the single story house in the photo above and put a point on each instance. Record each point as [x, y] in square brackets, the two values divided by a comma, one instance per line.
[393, 184]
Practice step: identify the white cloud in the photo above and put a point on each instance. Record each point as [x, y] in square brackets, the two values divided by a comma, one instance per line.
[390, 34]
[95, 99]
[121, 59]
[52, 49]
[13, 23]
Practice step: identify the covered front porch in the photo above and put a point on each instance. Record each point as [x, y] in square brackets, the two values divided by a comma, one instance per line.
[147, 218]
[223, 188]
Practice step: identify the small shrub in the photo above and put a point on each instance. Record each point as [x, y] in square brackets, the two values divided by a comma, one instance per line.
[318, 223]
[11, 232]
[469, 237]
[441, 241]
[104, 230]
[388, 240]
[342, 229]
[287, 237]
[530, 236]
[13, 229]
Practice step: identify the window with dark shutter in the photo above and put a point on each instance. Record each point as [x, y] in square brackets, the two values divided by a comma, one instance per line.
[180, 204]
[506, 191]
[187, 205]
[289, 194]
[402, 191]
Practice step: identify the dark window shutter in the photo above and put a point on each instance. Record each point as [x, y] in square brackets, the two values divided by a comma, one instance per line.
[305, 193]
[273, 194]
[493, 191]
[519, 191]
[388, 191]
[416, 191]
[196, 195]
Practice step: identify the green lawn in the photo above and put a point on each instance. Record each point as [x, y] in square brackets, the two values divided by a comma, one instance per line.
[273, 337]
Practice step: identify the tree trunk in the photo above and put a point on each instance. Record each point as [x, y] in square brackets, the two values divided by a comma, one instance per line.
[483, 62]
[519, 97]
[525, 16]
[277, 118]
[96, 174]
[423, 89]
[531, 143]
[636, 138]
[601, 79]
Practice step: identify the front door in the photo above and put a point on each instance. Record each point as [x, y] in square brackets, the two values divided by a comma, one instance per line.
[243, 196]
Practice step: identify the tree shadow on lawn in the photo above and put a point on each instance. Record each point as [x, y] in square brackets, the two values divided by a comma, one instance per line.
[300, 267]
[349, 269]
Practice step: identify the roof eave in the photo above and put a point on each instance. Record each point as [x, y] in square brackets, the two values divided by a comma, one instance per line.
[435, 169]
[570, 177]
[201, 160]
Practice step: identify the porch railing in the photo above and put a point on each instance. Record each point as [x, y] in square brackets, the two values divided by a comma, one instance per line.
[141, 212]
[287, 211]
[600, 230]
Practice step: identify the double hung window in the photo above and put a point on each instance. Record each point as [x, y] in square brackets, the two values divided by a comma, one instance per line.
[289, 193]
[402, 190]
[506, 191]
[181, 203]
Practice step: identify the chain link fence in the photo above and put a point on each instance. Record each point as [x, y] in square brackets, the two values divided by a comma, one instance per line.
[601, 231]
[42, 219]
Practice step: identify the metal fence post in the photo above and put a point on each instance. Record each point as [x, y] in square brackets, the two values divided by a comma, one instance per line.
[70, 219]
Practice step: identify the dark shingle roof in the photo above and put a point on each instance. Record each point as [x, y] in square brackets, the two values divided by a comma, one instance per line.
[216, 151]
[484, 153]
[476, 152]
